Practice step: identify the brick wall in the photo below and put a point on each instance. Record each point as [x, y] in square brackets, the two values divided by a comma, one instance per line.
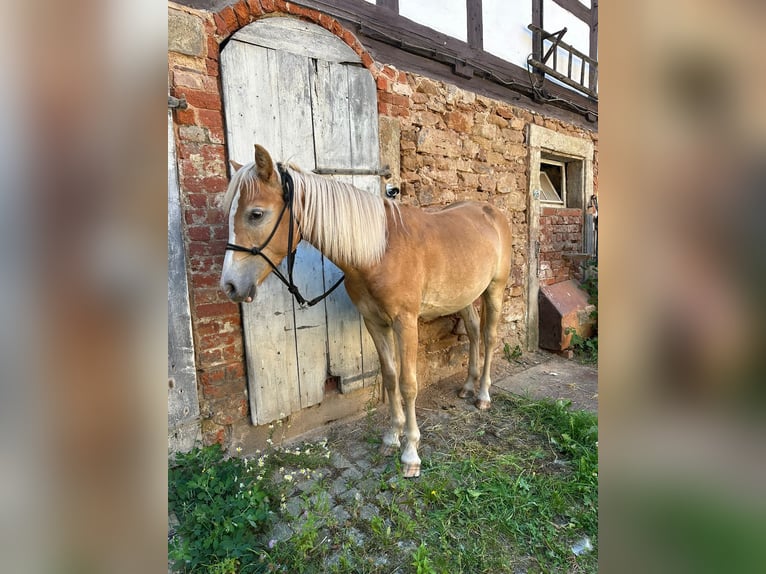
[560, 235]
[451, 145]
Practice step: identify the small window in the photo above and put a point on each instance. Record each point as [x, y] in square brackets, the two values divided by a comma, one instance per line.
[553, 181]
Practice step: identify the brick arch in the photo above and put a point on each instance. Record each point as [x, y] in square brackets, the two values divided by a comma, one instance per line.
[232, 18]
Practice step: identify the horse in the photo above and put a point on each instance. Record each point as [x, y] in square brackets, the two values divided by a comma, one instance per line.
[400, 263]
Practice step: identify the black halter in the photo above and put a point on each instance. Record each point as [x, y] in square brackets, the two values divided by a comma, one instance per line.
[288, 190]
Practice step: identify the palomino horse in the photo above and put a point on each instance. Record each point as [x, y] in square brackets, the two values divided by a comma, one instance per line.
[400, 263]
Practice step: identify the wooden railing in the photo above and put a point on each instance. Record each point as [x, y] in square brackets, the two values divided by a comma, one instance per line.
[548, 62]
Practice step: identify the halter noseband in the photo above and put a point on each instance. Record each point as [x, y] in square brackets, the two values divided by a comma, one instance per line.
[288, 191]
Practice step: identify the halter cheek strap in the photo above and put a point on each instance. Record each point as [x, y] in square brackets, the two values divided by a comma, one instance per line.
[288, 190]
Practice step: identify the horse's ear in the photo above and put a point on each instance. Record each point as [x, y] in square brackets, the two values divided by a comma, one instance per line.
[263, 162]
[235, 165]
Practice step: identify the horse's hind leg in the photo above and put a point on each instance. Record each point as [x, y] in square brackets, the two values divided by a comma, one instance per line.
[493, 302]
[471, 321]
[383, 338]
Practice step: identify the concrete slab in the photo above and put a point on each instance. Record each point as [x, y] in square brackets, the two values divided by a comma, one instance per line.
[556, 378]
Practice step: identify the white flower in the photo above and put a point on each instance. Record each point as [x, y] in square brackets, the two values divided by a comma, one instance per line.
[289, 477]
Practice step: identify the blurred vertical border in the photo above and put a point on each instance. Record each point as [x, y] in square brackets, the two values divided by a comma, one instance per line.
[83, 286]
[681, 280]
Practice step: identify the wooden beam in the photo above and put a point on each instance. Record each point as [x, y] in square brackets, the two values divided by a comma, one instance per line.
[475, 24]
[576, 8]
[593, 48]
[392, 5]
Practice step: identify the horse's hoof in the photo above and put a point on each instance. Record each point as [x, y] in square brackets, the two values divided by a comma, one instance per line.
[464, 393]
[411, 470]
[389, 449]
[482, 405]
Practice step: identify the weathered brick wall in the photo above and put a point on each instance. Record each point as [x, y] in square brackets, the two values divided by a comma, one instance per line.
[451, 145]
[561, 232]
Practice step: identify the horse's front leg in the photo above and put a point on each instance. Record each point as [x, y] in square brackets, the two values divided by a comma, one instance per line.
[407, 338]
[383, 337]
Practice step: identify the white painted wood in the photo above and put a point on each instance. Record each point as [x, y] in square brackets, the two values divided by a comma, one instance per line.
[183, 403]
[297, 37]
[285, 88]
[252, 110]
[308, 324]
[332, 142]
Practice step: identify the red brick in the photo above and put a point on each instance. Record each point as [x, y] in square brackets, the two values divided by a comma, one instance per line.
[212, 391]
[389, 72]
[194, 216]
[210, 118]
[383, 83]
[215, 184]
[205, 281]
[198, 200]
[400, 100]
[400, 111]
[200, 249]
[226, 21]
[236, 371]
[215, 340]
[384, 109]
[212, 67]
[213, 48]
[216, 217]
[367, 60]
[198, 233]
[302, 12]
[188, 79]
[281, 5]
[210, 356]
[220, 232]
[185, 117]
[325, 21]
[202, 99]
[255, 7]
[215, 309]
[242, 11]
[212, 375]
[402, 78]
[268, 5]
[209, 295]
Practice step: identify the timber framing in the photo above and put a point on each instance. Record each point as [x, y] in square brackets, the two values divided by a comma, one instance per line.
[396, 40]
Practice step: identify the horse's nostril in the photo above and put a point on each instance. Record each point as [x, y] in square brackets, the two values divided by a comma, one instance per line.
[230, 289]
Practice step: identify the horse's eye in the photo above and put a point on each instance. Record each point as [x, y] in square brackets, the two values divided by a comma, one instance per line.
[255, 215]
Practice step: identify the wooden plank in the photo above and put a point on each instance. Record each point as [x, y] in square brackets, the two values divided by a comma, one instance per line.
[297, 37]
[593, 46]
[332, 143]
[392, 5]
[183, 404]
[576, 8]
[308, 325]
[252, 115]
[475, 35]
[365, 154]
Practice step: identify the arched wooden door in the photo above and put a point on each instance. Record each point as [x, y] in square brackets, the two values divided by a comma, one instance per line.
[301, 92]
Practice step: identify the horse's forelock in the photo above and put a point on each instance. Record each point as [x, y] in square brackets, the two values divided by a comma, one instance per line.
[245, 180]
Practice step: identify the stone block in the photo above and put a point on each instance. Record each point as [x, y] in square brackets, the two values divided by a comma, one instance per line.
[186, 34]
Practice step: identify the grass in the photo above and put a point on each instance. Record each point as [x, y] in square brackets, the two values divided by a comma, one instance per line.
[511, 489]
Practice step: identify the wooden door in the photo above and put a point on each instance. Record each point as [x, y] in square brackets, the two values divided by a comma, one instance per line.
[302, 93]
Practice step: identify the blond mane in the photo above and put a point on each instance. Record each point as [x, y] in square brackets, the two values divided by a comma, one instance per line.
[346, 224]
